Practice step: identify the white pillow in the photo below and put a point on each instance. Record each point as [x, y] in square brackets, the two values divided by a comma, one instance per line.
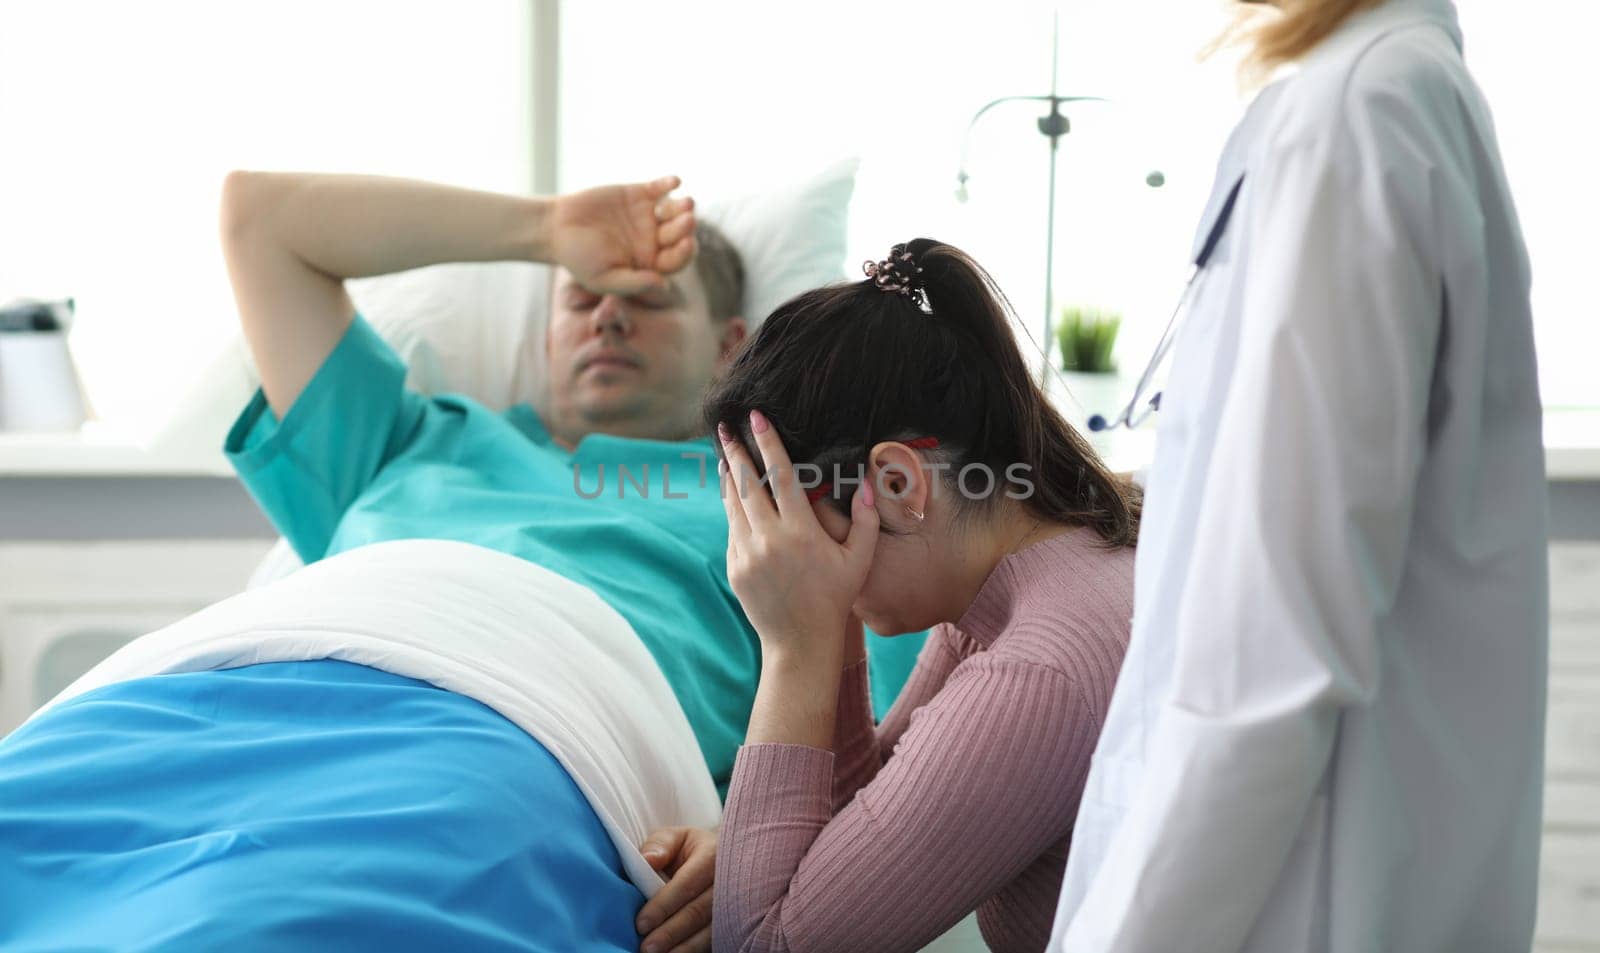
[461, 328]
[458, 328]
[792, 238]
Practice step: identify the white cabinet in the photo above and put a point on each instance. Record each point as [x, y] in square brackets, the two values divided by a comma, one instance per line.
[1569, 880]
[65, 606]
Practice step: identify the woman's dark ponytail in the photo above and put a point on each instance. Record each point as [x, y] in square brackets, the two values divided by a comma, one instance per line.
[923, 348]
[1072, 485]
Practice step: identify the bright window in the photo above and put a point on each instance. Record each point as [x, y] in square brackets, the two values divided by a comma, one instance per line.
[121, 119]
[1535, 62]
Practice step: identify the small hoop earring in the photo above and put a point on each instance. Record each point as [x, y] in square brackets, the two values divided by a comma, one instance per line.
[915, 514]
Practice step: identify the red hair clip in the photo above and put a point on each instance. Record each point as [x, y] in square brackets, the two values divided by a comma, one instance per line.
[826, 486]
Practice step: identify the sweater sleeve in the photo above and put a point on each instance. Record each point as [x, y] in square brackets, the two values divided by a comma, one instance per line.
[856, 757]
[938, 659]
[985, 780]
[860, 746]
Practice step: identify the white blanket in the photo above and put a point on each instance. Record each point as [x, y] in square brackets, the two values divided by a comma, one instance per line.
[540, 649]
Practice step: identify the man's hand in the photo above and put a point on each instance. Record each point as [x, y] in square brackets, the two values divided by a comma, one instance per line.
[621, 239]
[678, 918]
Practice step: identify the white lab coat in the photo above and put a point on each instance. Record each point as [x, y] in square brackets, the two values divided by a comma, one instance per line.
[1327, 734]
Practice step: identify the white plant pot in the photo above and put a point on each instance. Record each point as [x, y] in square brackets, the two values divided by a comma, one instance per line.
[1080, 395]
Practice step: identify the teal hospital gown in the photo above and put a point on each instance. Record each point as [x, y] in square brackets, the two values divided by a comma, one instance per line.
[360, 459]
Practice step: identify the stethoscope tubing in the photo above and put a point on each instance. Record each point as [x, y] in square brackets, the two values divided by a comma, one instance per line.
[1132, 415]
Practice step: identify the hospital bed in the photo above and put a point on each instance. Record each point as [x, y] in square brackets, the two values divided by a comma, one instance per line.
[455, 325]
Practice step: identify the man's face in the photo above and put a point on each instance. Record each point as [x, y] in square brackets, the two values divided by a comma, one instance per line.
[633, 367]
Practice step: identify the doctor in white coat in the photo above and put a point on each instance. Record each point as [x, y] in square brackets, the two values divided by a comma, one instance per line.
[1328, 732]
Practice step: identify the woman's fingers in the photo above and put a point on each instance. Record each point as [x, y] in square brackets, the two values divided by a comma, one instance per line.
[748, 491]
[674, 913]
[781, 477]
[682, 907]
[661, 908]
[699, 943]
[682, 927]
[738, 525]
[863, 538]
[697, 869]
[661, 848]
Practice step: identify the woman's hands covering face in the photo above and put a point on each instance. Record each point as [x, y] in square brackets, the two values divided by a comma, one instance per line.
[795, 582]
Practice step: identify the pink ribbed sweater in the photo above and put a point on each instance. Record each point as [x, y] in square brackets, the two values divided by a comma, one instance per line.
[964, 798]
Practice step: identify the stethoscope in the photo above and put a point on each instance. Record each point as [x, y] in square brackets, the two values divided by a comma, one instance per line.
[1127, 418]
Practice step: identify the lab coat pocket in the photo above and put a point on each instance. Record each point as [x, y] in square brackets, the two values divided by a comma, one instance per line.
[1105, 798]
[1294, 917]
[1113, 780]
[1088, 850]
[1097, 822]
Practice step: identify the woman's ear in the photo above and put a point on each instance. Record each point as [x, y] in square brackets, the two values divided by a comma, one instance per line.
[900, 482]
[732, 337]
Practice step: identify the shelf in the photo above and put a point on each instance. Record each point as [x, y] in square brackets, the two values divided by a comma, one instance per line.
[96, 451]
[1572, 444]
[1572, 452]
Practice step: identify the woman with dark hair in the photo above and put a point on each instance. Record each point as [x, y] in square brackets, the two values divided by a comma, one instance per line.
[889, 460]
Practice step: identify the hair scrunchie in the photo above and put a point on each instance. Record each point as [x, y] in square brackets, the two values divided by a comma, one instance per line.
[899, 273]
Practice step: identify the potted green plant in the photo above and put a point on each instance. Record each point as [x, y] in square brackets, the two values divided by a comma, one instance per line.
[1086, 338]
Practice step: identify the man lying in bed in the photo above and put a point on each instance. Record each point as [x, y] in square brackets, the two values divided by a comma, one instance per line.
[610, 490]
[339, 454]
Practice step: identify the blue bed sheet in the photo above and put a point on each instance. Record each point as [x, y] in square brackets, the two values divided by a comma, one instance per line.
[294, 806]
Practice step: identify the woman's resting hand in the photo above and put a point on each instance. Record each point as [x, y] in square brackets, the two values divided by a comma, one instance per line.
[678, 918]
